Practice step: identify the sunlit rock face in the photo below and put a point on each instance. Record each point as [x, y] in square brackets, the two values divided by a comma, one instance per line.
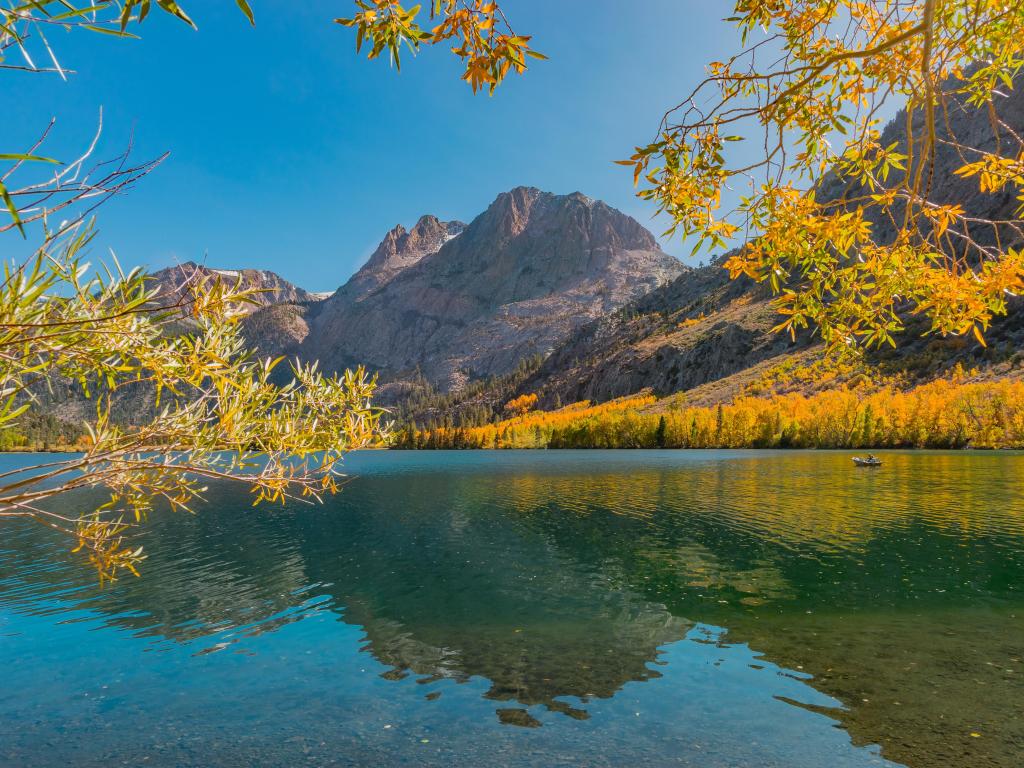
[515, 282]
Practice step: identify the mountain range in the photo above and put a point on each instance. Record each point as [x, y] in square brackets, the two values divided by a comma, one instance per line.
[450, 303]
[570, 299]
[449, 313]
[268, 287]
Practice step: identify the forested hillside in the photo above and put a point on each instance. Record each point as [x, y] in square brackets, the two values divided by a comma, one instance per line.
[953, 413]
[706, 339]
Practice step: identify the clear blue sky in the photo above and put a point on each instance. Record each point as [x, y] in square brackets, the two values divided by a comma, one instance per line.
[289, 152]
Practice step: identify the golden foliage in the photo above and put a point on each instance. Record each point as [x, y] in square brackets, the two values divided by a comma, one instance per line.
[521, 405]
[948, 413]
[692, 321]
[481, 34]
[815, 111]
[530, 430]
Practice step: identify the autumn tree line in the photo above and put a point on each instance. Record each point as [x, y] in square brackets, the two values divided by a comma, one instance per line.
[940, 414]
[42, 432]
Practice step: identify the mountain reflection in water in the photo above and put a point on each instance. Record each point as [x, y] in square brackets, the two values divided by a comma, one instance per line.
[550, 582]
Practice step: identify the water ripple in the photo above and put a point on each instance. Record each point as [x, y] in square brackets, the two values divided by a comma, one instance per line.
[555, 583]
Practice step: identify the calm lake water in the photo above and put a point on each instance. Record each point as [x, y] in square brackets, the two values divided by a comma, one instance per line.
[542, 609]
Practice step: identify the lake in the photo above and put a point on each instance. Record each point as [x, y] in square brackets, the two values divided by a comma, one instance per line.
[548, 608]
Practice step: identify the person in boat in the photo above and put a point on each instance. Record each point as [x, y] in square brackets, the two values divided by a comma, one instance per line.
[871, 457]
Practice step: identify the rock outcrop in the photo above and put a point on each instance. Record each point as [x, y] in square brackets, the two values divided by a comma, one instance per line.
[399, 250]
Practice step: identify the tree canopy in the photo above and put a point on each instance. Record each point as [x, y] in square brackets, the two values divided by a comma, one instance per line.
[206, 408]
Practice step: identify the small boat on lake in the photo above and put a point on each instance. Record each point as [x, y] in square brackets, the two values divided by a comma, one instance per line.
[868, 461]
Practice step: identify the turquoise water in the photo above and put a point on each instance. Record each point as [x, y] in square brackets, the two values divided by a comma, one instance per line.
[541, 609]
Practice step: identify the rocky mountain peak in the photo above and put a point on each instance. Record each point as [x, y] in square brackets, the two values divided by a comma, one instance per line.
[518, 279]
[389, 246]
[401, 247]
[510, 211]
[530, 210]
[399, 250]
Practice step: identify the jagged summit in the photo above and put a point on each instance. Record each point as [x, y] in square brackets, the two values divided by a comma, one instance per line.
[595, 220]
[427, 236]
[514, 282]
[399, 250]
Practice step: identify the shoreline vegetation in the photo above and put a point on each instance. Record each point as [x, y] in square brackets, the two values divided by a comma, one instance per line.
[850, 410]
[947, 413]
[42, 433]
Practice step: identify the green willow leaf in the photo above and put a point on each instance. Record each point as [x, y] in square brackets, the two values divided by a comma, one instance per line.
[176, 10]
[28, 158]
[9, 201]
[108, 31]
[244, 5]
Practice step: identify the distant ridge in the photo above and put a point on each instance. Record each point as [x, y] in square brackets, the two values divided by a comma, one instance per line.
[271, 288]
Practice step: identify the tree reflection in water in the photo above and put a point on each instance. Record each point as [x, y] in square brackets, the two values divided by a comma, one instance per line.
[559, 581]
